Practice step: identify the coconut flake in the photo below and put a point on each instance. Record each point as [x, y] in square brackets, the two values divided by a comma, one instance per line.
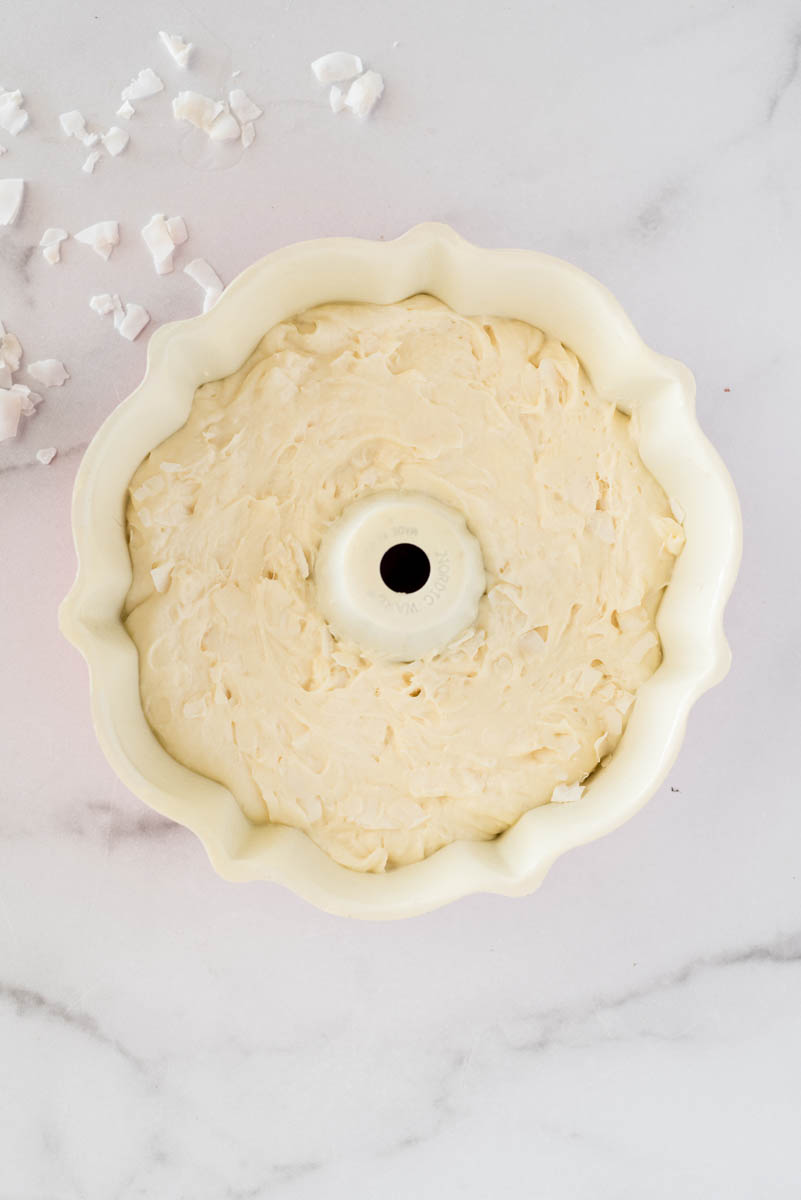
[102, 304]
[248, 134]
[225, 128]
[243, 107]
[102, 237]
[115, 140]
[364, 93]
[49, 371]
[74, 125]
[176, 227]
[10, 350]
[134, 321]
[12, 192]
[51, 244]
[10, 410]
[13, 117]
[207, 278]
[199, 110]
[156, 236]
[2, 149]
[178, 48]
[126, 110]
[161, 576]
[29, 400]
[565, 793]
[145, 84]
[91, 161]
[46, 455]
[336, 98]
[337, 66]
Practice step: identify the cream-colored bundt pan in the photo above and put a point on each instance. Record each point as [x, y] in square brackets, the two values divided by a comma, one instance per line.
[568, 305]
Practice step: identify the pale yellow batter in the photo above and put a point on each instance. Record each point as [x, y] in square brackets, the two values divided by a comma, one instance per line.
[383, 762]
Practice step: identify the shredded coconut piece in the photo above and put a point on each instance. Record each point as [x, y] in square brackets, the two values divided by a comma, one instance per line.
[2, 149]
[161, 576]
[126, 110]
[199, 110]
[90, 162]
[337, 66]
[51, 244]
[243, 107]
[46, 455]
[102, 304]
[12, 192]
[145, 84]
[13, 117]
[336, 98]
[248, 134]
[225, 128]
[564, 793]
[115, 140]
[102, 237]
[10, 350]
[207, 278]
[29, 399]
[74, 125]
[178, 48]
[176, 227]
[49, 371]
[364, 93]
[10, 409]
[134, 321]
[159, 241]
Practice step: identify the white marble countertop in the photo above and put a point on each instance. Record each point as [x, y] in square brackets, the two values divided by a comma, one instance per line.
[631, 1030]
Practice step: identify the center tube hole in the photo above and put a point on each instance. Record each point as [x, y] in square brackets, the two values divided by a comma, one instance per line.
[405, 568]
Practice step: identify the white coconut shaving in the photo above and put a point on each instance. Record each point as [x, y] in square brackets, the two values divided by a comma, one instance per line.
[145, 84]
[74, 125]
[13, 117]
[10, 350]
[2, 149]
[176, 227]
[198, 110]
[12, 192]
[364, 93]
[126, 110]
[90, 162]
[159, 239]
[49, 371]
[28, 399]
[104, 303]
[51, 244]
[225, 128]
[336, 67]
[46, 455]
[115, 140]
[102, 237]
[243, 107]
[10, 411]
[206, 278]
[336, 98]
[565, 793]
[248, 134]
[161, 576]
[177, 47]
[133, 322]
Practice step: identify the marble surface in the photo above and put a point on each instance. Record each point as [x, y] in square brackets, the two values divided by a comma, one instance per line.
[632, 1029]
